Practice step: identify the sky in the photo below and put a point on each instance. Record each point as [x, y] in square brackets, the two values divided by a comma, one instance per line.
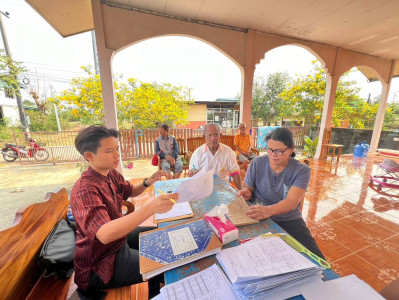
[53, 61]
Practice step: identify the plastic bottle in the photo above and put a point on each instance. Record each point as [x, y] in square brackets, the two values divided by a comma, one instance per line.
[358, 151]
[70, 214]
[366, 149]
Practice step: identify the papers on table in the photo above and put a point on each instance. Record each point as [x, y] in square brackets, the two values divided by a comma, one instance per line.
[178, 211]
[266, 266]
[209, 284]
[197, 187]
[345, 288]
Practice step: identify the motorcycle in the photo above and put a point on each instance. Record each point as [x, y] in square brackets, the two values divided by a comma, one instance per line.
[10, 152]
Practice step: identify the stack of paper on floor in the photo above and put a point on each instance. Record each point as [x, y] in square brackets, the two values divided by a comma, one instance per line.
[238, 212]
[165, 248]
[266, 266]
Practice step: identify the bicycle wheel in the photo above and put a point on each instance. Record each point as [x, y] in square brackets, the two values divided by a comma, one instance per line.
[41, 155]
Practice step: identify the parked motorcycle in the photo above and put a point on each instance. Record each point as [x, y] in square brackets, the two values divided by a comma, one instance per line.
[10, 151]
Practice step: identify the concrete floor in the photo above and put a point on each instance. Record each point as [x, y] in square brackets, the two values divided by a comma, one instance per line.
[23, 185]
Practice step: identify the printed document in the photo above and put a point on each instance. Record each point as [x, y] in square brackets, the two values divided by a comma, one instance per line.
[179, 209]
[197, 187]
[209, 284]
[268, 257]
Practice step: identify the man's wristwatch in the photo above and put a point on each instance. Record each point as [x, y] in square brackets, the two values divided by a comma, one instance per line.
[145, 183]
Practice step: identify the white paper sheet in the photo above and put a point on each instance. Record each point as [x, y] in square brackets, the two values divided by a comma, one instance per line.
[209, 284]
[267, 257]
[345, 288]
[182, 241]
[197, 187]
[179, 209]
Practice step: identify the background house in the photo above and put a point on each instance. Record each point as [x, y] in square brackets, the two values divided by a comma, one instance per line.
[223, 111]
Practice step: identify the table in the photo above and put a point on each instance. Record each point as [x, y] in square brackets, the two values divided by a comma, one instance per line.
[222, 193]
[334, 147]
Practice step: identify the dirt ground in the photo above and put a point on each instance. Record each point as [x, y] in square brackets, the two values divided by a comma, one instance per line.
[23, 185]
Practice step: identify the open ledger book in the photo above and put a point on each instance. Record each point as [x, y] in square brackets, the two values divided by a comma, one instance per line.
[166, 248]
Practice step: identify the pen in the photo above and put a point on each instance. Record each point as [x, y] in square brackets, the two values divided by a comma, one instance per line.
[273, 234]
[162, 193]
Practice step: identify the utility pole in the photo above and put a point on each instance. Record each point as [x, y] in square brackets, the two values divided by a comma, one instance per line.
[21, 108]
[94, 43]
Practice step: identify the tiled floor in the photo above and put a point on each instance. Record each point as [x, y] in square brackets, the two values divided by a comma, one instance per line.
[356, 227]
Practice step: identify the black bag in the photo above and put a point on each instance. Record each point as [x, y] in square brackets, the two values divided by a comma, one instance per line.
[56, 255]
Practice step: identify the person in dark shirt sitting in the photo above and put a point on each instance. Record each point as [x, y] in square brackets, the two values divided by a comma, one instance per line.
[107, 253]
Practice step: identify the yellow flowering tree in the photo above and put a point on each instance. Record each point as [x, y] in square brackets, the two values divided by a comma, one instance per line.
[305, 99]
[139, 105]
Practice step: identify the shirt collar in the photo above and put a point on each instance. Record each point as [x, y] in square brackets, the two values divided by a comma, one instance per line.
[97, 175]
[162, 137]
[206, 148]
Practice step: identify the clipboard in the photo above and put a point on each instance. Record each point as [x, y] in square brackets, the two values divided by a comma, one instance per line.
[175, 217]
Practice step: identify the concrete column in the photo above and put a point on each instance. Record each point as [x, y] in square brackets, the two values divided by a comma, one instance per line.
[329, 101]
[247, 82]
[379, 120]
[105, 56]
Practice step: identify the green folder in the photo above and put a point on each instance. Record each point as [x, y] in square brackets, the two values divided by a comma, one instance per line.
[300, 248]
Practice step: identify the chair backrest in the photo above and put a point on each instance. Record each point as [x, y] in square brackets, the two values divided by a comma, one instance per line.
[182, 146]
[228, 140]
[327, 136]
[194, 142]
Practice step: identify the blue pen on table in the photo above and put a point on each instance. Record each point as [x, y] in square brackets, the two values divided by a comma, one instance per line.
[162, 193]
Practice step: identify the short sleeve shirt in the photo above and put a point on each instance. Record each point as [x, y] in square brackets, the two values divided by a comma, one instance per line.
[243, 142]
[270, 188]
[224, 161]
[96, 200]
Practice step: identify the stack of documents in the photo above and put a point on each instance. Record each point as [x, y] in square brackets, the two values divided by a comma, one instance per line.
[263, 267]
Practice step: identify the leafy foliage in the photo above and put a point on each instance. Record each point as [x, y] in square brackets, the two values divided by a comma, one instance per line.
[9, 72]
[139, 105]
[310, 146]
[267, 103]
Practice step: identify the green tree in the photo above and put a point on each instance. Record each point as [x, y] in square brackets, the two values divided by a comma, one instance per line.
[305, 99]
[9, 72]
[139, 105]
[267, 103]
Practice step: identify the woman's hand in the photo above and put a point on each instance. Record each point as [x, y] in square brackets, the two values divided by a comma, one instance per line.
[259, 212]
[245, 193]
[163, 203]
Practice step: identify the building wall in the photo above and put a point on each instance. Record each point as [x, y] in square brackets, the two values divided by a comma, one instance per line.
[196, 116]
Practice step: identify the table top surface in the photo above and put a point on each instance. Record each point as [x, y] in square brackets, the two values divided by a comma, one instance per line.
[222, 193]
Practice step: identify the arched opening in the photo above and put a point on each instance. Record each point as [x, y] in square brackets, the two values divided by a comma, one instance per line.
[205, 72]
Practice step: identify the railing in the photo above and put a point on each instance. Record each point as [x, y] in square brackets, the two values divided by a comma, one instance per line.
[134, 143]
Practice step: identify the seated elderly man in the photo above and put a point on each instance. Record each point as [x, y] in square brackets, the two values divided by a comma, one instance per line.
[242, 145]
[215, 155]
[168, 149]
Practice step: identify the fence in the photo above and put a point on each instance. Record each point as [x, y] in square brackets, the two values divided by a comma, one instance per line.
[134, 143]
[298, 132]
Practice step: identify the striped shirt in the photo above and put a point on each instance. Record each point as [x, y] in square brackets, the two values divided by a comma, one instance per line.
[96, 200]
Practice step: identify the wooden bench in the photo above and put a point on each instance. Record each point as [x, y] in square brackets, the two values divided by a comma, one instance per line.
[20, 275]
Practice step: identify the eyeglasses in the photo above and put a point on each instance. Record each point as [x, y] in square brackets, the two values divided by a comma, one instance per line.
[278, 152]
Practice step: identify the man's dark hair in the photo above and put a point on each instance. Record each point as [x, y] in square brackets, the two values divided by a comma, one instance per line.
[88, 139]
[282, 135]
[164, 127]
